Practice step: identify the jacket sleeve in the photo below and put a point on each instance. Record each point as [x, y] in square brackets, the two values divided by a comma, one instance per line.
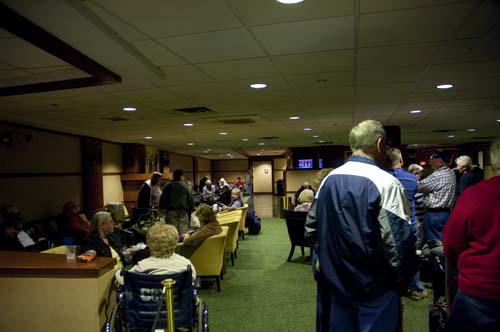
[398, 241]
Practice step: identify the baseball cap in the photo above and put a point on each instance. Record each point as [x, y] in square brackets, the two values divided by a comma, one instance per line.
[443, 155]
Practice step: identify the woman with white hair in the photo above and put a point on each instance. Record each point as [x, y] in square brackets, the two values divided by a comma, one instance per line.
[102, 239]
[305, 199]
[236, 201]
[162, 240]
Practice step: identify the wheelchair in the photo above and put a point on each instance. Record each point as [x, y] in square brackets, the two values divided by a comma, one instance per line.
[141, 305]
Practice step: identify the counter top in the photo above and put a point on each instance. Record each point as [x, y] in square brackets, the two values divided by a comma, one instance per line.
[17, 264]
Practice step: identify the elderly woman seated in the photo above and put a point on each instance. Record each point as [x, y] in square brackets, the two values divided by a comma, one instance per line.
[209, 226]
[102, 239]
[161, 240]
[236, 201]
[305, 199]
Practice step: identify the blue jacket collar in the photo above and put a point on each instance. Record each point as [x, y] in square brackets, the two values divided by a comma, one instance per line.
[362, 159]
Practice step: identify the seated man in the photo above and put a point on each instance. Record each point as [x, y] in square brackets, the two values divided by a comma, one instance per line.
[208, 193]
[162, 240]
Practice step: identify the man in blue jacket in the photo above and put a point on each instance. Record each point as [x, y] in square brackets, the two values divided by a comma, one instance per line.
[366, 249]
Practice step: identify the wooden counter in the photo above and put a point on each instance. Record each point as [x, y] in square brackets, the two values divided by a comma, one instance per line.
[45, 292]
[34, 264]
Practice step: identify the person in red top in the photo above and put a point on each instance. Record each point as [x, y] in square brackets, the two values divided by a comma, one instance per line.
[471, 241]
[72, 224]
[239, 184]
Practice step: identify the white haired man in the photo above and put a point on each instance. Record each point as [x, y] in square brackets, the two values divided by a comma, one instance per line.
[366, 248]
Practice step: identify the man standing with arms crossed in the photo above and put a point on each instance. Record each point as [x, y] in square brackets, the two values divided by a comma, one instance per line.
[365, 244]
[177, 201]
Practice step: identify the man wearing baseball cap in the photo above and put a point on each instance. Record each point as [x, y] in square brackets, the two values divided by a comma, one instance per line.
[439, 191]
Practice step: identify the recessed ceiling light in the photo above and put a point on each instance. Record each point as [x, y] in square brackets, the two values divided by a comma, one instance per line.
[258, 85]
[315, 136]
[498, 120]
[222, 133]
[188, 124]
[444, 86]
[244, 139]
[148, 137]
[294, 117]
[258, 154]
[321, 141]
[205, 151]
[471, 129]
[261, 143]
[228, 154]
[451, 136]
[191, 143]
[416, 111]
[129, 109]
[288, 2]
[307, 129]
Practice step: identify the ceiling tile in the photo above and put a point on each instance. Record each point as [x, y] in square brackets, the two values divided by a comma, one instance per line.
[397, 56]
[240, 69]
[317, 35]
[314, 62]
[322, 80]
[182, 75]
[161, 18]
[214, 46]
[368, 6]
[402, 27]
[390, 75]
[262, 12]
[158, 54]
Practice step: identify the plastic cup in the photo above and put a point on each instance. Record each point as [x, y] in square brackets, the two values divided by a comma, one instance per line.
[71, 252]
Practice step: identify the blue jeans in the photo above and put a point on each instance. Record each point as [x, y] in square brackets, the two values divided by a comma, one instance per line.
[433, 224]
[470, 313]
[380, 314]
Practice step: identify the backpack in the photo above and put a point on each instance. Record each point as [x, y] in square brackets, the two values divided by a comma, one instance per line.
[252, 222]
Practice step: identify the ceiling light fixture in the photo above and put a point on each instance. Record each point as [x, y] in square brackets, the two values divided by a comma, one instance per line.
[294, 117]
[315, 136]
[261, 143]
[188, 124]
[307, 129]
[222, 133]
[129, 109]
[244, 139]
[148, 137]
[191, 143]
[451, 136]
[289, 2]
[444, 86]
[258, 85]
[416, 111]
[471, 129]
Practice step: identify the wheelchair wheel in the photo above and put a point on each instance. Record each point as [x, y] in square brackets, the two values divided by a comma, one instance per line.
[115, 323]
[201, 318]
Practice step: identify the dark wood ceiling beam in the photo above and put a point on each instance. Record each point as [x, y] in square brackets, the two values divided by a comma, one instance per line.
[33, 34]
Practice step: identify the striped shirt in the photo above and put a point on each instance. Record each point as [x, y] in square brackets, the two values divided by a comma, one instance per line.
[439, 188]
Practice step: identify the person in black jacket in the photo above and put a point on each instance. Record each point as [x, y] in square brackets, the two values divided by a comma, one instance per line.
[150, 192]
[102, 239]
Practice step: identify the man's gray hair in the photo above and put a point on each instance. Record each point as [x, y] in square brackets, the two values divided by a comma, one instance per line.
[495, 155]
[464, 161]
[364, 135]
[236, 191]
[393, 156]
[415, 169]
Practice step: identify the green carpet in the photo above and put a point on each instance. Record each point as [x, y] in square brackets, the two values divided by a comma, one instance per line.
[263, 292]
